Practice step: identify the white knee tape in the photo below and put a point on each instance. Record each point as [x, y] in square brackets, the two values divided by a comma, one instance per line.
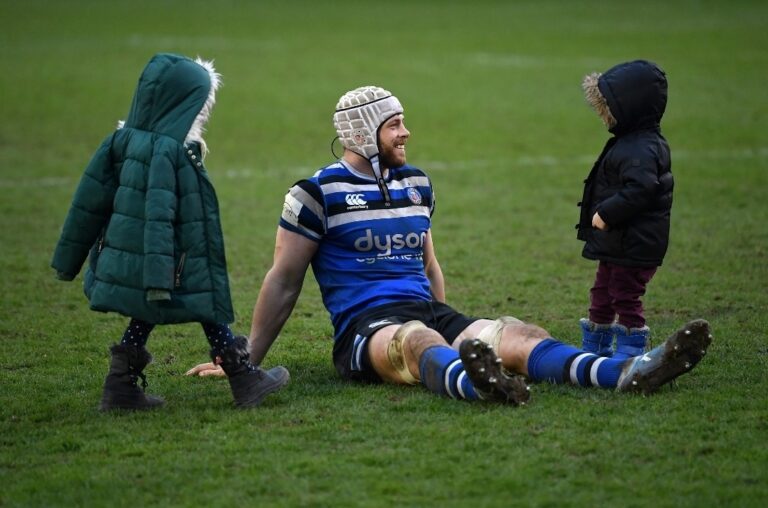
[491, 334]
[395, 350]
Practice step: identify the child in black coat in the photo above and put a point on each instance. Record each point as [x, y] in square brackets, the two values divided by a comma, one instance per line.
[625, 211]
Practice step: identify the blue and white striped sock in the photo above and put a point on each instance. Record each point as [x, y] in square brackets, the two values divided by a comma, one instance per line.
[556, 362]
[442, 372]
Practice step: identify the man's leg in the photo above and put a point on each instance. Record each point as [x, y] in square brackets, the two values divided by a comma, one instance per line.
[530, 351]
[409, 353]
[478, 346]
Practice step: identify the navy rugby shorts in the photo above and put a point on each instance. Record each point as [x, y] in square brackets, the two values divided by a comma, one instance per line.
[350, 351]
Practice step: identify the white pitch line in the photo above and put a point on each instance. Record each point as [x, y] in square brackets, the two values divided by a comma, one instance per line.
[429, 166]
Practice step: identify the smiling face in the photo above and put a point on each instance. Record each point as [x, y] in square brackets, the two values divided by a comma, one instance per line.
[392, 139]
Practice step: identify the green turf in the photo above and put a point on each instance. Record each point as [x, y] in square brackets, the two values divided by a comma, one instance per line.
[493, 102]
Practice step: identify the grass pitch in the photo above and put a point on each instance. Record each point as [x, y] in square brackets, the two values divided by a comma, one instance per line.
[492, 98]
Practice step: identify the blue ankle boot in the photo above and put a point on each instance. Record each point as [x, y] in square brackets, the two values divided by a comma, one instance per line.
[596, 338]
[630, 342]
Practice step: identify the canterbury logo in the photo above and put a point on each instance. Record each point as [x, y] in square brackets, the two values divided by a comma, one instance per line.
[355, 200]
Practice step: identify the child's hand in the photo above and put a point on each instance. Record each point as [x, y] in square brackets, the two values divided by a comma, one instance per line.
[599, 223]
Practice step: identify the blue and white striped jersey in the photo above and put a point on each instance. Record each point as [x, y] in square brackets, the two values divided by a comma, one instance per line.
[369, 254]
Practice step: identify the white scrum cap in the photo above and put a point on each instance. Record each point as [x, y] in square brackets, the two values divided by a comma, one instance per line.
[359, 114]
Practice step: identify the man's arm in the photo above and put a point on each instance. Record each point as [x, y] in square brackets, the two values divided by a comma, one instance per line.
[277, 297]
[432, 269]
[280, 290]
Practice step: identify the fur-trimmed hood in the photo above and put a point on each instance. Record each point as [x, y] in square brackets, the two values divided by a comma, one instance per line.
[628, 96]
[175, 96]
[145, 211]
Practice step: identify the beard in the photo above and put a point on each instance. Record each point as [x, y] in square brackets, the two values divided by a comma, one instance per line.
[390, 157]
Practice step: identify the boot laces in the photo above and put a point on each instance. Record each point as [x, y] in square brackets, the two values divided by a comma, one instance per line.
[237, 355]
[136, 375]
[244, 358]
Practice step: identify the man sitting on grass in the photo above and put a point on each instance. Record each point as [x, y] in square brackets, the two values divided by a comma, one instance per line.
[363, 223]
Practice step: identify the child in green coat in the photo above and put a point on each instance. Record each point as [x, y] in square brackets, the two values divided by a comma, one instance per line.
[146, 215]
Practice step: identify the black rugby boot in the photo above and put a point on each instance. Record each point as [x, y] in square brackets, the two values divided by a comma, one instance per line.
[488, 377]
[675, 356]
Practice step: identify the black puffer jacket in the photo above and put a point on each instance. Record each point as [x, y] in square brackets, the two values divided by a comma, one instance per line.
[631, 183]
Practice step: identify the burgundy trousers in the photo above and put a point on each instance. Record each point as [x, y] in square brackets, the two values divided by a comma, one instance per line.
[617, 291]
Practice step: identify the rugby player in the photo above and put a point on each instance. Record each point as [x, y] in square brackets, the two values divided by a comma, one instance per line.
[363, 224]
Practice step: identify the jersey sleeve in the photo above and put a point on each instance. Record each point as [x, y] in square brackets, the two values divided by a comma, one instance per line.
[304, 210]
[432, 200]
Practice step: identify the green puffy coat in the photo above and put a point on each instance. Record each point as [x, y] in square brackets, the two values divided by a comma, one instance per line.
[146, 211]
